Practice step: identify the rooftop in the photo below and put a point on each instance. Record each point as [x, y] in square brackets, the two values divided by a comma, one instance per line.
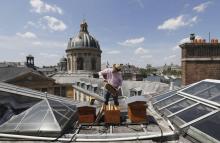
[180, 115]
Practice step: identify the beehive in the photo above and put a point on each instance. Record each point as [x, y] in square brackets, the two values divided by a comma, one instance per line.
[111, 114]
[87, 114]
[137, 109]
[137, 112]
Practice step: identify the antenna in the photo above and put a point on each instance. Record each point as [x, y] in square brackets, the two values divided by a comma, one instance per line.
[84, 18]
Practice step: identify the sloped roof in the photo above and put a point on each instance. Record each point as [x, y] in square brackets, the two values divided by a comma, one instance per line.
[10, 73]
[7, 73]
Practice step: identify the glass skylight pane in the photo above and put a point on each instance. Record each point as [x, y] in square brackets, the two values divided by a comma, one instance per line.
[210, 92]
[168, 101]
[178, 106]
[60, 119]
[34, 117]
[210, 126]
[29, 127]
[191, 114]
[206, 90]
[164, 95]
[62, 109]
[16, 119]
[216, 99]
[49, 123]
[199, 87]
[16, 104]
[8, 127]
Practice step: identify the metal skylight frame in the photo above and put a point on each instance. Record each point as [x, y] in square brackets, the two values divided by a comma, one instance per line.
[200, 136]
[175, 102]
[199, 98]
[32, 93]
[199, 118]
[165, 97]
[203, 133]
[182, 110]
[191, 106]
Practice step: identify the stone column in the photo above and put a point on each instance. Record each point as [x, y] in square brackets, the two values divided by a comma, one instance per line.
[74, 63]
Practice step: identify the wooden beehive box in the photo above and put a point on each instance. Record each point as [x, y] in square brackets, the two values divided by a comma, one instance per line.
[87, 113]
[137, 109]
[111, 114]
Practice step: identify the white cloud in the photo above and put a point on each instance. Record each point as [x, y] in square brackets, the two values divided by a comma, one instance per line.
[18, 42]
[176, 48]
[114, 52]
[170, 57]
[37, 43]
[146, 56]
[54, 23]
[140, 51]
[28, 35]
[133, 41]
[31, 24]
[39, 6]
[49, 55]
[201, 7]
[177, 22]
[48, 44]
[14, 46]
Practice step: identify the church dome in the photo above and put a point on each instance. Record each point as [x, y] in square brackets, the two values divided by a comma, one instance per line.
[83, 39]
[63, 59]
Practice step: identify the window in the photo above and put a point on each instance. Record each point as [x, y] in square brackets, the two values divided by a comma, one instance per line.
[93, 63]
[80, 63]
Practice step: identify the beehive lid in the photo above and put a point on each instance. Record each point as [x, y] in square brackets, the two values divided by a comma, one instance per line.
[136, 99]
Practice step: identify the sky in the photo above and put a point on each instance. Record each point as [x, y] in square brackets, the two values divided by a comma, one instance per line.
[137, 32]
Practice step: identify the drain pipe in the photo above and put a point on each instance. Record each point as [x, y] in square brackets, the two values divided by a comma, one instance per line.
[24, 137]
[86, 139]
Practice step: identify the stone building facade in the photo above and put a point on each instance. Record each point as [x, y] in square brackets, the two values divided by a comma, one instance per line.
[200, 61]
[62, 65]
[83, 52]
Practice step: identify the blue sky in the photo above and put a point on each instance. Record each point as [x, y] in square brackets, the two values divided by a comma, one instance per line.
[138, 32]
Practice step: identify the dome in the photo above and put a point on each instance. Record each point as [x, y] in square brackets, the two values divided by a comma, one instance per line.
[30, 56]
[83, 39]
[63, 59]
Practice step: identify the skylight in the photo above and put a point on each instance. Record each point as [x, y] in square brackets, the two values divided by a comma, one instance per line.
[193, 106]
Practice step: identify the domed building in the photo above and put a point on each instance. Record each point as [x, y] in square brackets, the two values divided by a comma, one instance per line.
[83, 52]
[62, 65]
